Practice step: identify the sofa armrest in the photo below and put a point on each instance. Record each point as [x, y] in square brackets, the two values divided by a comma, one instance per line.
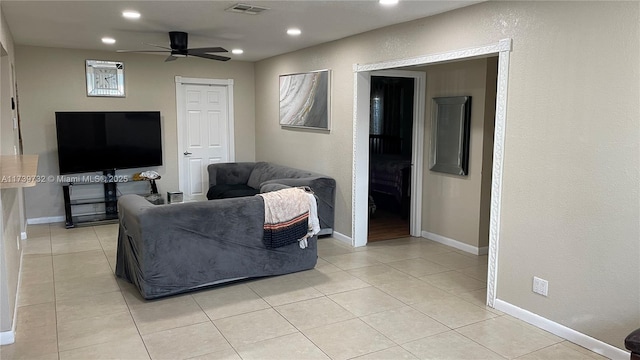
[272, 186]
[230, 173]
[132, 203]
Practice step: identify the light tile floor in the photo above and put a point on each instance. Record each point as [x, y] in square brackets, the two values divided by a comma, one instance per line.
[401, 299]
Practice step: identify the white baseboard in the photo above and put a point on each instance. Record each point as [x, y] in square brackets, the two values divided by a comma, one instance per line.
[342, 238]
[455, 243]
[45, 220]
[7, 337]
[579, 338]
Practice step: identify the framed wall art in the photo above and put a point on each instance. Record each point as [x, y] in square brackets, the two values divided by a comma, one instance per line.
[305, 100]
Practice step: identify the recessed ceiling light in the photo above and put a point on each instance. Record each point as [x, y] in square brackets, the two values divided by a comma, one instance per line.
[294, 32]
[130, 14]
[388, 2]
[237, 51]
[108, 40]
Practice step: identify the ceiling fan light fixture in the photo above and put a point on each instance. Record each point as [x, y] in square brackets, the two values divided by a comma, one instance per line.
[237, 51]
[294, 31]
[108, 40]
[130, 14]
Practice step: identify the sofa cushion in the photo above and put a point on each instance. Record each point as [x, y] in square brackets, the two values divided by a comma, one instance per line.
[258, 175]
[232, 173]
[223, 191]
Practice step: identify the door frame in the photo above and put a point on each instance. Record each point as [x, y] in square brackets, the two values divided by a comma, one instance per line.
[417, 143]
[181, 83]
[359, 189]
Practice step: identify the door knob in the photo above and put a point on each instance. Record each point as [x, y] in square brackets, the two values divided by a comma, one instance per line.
[186, 153]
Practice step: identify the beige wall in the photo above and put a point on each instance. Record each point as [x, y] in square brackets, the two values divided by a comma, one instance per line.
[53, 80]
[451, 204]
[324, 152]
[570, 202]
[9, 198]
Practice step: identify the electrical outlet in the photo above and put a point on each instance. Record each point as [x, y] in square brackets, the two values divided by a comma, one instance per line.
[540, 286]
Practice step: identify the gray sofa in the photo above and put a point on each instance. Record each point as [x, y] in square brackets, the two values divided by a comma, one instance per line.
[228, 180]
[170, 249]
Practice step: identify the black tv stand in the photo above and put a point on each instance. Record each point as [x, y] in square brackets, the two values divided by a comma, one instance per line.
[110, 193]
[110, 182]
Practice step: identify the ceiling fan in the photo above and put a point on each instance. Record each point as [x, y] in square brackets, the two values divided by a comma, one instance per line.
[179, 48]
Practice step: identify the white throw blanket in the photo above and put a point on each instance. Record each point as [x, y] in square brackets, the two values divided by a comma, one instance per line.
[285, 208]
[314, 223]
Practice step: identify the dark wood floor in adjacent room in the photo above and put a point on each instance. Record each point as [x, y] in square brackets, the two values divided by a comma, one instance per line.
[384, 225]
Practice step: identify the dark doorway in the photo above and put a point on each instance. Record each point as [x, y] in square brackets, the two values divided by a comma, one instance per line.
[390, 146]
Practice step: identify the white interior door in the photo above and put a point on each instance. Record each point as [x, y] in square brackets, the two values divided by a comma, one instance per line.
[206, 135]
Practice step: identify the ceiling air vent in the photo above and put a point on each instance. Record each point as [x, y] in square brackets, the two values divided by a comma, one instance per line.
[247, 9]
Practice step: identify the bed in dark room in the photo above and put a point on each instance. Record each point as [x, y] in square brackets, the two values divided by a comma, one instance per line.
[389, 174]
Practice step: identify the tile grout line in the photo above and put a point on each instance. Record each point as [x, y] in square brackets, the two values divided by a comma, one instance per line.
[55, 300]
[215, 326]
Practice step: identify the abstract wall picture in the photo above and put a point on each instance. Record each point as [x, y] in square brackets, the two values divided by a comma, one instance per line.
[304, 100]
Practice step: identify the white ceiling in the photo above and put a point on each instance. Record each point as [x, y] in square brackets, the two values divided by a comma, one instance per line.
[81, 24]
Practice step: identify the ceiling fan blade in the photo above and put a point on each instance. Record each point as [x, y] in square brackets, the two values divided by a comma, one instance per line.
[158, 46]
[170, 58]
[206, 50]
[141, 51]
[212, 57]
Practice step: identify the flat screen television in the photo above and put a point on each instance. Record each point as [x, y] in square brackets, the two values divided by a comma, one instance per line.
[105, 141]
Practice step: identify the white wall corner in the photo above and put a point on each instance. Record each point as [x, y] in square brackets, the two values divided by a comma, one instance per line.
[575, 337]
[455, 243]
[342, 238]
